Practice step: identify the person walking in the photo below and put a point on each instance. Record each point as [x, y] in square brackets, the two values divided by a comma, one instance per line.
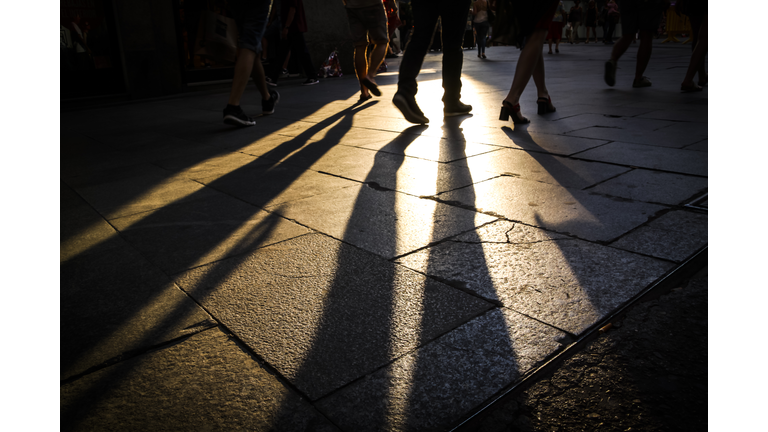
[534, 19]
[613, 15]
[481, 24]
[453, 15]
[574, 17]
[556, 28]
[641, 16]
[368, 25]
[252, 17]
[292, 41]
[591, 22]
[697, 12]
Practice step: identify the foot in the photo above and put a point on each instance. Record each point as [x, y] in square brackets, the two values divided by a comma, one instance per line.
[641, 82]
[365, 97]
[268, 106]
[408, 107]
[545, 105]
[610, 72]
[484, 56]
[270, 82]
[507, 108]
[234, 115]
[456, 109]
[557, 50]
[550, 52]
[370, 85]
[311, 81]
[688, 88]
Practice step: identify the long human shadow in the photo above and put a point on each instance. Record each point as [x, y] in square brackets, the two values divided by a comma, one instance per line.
[76, 410]
[586, 267]
[423, 392]
[371, 326]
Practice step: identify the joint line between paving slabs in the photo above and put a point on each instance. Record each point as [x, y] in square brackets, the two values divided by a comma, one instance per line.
[130, 354]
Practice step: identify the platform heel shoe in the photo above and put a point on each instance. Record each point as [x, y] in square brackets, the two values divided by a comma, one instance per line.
[507, 109]
[545, 105]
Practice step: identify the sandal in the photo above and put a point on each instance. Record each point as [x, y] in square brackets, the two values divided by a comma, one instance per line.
[545, 105]
[507, 109]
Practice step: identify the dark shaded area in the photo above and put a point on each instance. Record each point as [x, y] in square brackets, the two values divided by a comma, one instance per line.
[648, 373]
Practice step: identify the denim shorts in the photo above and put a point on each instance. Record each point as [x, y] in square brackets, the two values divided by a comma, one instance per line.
[368, 22]
[640, 15]
[252, 17]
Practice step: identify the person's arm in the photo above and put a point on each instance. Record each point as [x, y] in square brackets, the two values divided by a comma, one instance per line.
[288, 21]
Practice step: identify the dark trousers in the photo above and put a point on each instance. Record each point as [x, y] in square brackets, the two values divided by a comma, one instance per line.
[482, 32]
[453, 15]
[297, 46]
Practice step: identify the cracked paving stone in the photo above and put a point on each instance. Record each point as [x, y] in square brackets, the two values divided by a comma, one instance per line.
[568, 283]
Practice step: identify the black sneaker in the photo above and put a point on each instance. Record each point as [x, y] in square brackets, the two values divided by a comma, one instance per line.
[407, 105]
[234, 115]
[268, 106]
[270, 82]
[311, 81]
[456, 109]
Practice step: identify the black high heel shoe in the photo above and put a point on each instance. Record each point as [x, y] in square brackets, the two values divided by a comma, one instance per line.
[507, 109]
[545, 105]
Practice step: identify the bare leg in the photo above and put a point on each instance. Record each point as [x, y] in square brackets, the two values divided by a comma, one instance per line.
[243, 67]
[377, 56]
[620, 47]
[529, 57]
[549, 41]
[643, 53]
[259, 78]
[538, 78]
[697, 58]
[361, 67]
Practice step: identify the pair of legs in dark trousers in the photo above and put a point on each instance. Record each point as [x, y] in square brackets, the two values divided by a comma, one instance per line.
[453, 14]
[295, 45]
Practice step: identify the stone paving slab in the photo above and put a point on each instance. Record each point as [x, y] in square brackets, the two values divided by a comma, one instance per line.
[657, 138]
[674, 236]
[204, 382]
[200, 231]
[580, 213]
[542, 168]
[386, 223]
[136, 189]
[112, 300]
[567, 283]
[431, 388]
[547, 143]
[270, 184]
[324, 313]
[645, 156]
[653, 186]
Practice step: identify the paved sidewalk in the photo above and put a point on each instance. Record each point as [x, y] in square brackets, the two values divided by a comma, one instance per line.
[337, 268]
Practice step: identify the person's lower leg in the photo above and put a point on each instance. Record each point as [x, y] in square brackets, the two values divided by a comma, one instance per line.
[697, 58]
[527, 62]
[259, 78]
[243, 67]
[538, 78]
[620, 47]
[377, 57]
[643, 53]
[361, 67]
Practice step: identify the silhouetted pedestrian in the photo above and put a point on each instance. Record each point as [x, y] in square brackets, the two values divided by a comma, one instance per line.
[534, 19]
[292, 41]
[252, 17]
[641, 16]
[368, 24]
[453, 14]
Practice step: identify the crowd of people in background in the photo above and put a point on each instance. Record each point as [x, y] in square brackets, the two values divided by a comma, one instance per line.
[419, 26]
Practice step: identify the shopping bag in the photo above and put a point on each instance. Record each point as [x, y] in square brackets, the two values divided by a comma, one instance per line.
[331, 67]
[216, 37]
